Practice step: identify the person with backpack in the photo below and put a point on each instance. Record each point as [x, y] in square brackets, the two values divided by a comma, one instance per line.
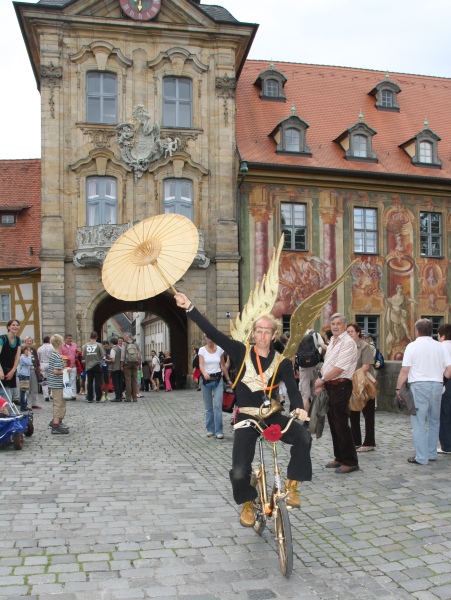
[308, 357]
[93, 353]
[130, 363]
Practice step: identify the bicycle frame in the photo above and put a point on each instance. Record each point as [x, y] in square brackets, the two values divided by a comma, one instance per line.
[261, 473]
[276, 506]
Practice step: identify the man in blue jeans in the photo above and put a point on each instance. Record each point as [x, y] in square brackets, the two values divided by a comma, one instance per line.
[424, 364]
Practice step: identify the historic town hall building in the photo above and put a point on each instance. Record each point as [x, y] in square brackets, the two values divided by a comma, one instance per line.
[150, 106]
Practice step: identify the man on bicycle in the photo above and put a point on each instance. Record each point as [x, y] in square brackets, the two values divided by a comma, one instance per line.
[261, 372]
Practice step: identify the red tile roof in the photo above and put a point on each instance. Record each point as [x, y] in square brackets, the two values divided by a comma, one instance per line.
[20, 186]
[330, 100]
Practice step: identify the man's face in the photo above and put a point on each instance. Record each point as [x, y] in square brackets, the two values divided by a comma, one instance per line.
[68, 340]
[263, 333]
[337, 326]
[120, 341]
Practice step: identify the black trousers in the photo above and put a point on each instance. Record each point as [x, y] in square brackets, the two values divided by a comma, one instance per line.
[444, 434]
[117, 384]
[338, 417]
[368, 413]
[94, 378]
[244, 441]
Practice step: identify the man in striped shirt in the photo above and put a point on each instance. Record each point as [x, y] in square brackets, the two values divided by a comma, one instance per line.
[336, 377]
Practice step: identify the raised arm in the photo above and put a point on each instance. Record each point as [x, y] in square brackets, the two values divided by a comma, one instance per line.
[234, 348]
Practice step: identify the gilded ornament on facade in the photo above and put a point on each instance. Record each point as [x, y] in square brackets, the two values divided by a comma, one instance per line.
[139, 142]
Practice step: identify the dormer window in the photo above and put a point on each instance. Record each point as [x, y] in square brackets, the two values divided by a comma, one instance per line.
[271, 87]
[425, 152]
[423, 149]
[290, 136]
[292, 140]
[271, 83]
[357, 142]
[387, 98]
[386, 93]
[360, 146]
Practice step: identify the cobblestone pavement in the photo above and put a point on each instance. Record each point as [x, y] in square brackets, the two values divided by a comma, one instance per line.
[136, 503]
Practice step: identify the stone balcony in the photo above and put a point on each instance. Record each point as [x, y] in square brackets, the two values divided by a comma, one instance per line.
[93, 243]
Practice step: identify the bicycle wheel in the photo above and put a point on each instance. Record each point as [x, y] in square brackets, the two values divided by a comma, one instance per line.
[259, 509]
[282, 529]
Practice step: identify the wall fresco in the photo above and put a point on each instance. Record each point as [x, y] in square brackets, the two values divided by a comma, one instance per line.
[397, 286]
[366, 283]
[299, 278]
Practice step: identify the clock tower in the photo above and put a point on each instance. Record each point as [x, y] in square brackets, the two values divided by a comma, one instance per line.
[138, 119]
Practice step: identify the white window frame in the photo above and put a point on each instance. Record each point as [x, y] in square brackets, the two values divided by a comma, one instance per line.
[102, 95]
[431, 238]
[5, 312]
[366, 233]
[7, 220]
[178, 204]
[107, 204]
[296, 224]
[178, 102]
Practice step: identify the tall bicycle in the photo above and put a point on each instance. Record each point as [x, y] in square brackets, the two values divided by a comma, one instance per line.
[275, 505]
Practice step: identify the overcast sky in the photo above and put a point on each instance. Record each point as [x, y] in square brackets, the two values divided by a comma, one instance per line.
[408, 36]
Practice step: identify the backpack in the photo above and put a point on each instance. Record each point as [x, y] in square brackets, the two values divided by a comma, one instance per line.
[378, 360]
[131, 354]
[307, 353]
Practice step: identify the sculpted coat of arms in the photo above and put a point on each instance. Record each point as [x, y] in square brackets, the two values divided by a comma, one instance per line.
[139, 142]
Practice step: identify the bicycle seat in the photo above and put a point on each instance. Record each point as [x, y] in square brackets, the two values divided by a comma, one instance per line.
[267, 411]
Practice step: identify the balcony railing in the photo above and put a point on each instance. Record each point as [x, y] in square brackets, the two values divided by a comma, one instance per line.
[93, 243]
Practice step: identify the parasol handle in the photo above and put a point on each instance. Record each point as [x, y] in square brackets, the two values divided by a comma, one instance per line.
[155, 264]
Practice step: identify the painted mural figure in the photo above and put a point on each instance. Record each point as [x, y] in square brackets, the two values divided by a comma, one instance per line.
[432, 281]
[397, 317]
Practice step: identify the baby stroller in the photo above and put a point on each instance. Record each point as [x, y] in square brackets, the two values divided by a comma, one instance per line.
[16, 425]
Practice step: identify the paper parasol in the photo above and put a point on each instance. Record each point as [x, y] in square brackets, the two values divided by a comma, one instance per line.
[148, 258]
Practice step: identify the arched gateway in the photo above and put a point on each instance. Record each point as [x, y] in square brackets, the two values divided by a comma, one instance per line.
[162, 305]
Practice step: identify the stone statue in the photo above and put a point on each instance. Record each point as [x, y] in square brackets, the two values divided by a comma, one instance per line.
[397, 315]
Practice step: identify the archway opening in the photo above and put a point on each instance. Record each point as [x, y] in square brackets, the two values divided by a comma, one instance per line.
[163, 306]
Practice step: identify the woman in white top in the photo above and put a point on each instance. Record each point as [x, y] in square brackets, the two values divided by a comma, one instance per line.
[212, 366]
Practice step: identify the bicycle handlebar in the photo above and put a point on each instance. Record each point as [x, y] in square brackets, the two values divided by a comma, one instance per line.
[256, 424]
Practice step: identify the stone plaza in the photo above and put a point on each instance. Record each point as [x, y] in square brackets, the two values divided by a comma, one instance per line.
[136, 503]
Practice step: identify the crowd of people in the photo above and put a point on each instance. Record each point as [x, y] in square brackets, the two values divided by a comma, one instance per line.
[61, 370]
[331, 364]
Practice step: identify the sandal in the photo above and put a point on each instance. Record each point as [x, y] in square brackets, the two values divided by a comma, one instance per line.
[365, 448]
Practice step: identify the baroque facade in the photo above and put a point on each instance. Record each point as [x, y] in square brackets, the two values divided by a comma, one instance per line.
[138, 119]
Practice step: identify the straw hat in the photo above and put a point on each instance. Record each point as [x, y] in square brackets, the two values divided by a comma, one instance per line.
[148, 258]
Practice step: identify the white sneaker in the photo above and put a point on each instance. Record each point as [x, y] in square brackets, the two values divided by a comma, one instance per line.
[220, 436]
[440, 451]
[209, 434]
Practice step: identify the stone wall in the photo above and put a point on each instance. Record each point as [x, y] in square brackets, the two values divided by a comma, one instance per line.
[386, 381]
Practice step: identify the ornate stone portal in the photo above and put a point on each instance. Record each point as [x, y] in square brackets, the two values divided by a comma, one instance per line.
[139, 142]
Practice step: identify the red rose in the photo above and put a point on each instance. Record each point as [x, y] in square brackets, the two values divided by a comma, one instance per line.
[273, 433]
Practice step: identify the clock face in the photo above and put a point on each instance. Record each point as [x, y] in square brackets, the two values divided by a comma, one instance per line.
[141, 10]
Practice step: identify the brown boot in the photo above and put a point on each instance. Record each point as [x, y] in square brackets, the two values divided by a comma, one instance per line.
[247, 517]
[293, 493]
